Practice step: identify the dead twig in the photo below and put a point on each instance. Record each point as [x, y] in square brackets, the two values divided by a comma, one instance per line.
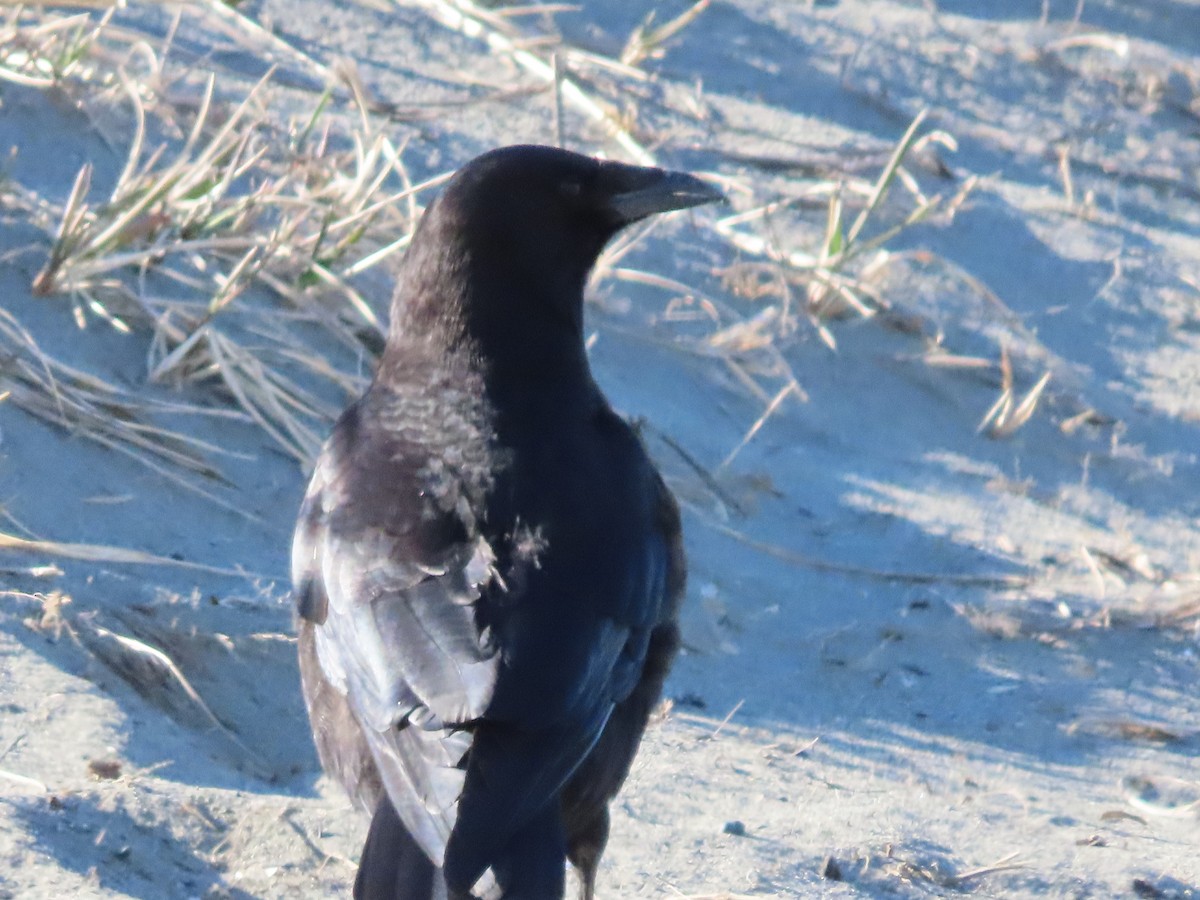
[109, 554]
[809, 562]
[132, 659]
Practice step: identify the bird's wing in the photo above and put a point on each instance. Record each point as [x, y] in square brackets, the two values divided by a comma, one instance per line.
[601, 775]
[577, 640]
[670, 527]
[390, 591]
[429, 630]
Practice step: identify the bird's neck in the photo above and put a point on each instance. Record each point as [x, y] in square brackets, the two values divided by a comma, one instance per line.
[524, 361]
[533, 341]
[519, 319]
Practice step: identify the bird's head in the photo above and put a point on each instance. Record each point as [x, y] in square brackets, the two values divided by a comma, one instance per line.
[516, 231]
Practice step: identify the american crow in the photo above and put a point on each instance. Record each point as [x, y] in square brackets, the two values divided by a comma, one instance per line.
[487, 565]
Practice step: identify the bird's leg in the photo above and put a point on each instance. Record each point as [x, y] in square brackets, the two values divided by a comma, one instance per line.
[587, 848]
[587, 882]
[532, 866]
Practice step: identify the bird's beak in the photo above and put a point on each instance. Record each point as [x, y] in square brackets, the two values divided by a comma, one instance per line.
[640, 192]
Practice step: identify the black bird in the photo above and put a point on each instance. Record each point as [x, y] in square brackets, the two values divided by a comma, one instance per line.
[487, 566]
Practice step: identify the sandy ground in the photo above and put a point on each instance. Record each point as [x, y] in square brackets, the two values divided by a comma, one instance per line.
[924, 659]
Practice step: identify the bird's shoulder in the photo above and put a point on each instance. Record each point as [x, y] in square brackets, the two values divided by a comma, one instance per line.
[397, 490]
[387, 559]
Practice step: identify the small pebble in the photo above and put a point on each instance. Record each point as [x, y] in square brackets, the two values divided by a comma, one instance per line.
[104, 769]
[736, 828]
[830, 870]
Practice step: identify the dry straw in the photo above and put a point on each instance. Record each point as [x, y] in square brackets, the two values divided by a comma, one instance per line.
[240, 210]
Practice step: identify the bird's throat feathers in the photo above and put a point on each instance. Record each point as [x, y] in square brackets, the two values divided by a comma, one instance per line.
[522, 316]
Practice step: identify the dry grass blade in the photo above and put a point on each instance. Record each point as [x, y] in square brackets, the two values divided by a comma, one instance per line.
[108, 554]
[48, 571]
[887, 177]
[269, 397]
[150, 670]
[69, 230]
[1183, 615]
[647, 41]
[996, 412]
[758, 245]
[820, 565]
[709, 480]
[637, 276]
[1006, 416]
[86, 406]
[270, 44]
[273, 401]
[755, 332]
[1004, 864]
[1167, 798]
[938, 357]
[24, 781]
[475, 22]
[1008, 424]
[791, 387]
[43, 53]
[1117, 44]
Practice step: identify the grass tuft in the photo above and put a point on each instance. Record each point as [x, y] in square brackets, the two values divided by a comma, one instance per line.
[271, 223]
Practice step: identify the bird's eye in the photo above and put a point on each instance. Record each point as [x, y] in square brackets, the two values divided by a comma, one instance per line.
[571, 188]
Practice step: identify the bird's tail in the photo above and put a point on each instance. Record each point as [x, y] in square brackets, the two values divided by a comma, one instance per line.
[393, 865]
